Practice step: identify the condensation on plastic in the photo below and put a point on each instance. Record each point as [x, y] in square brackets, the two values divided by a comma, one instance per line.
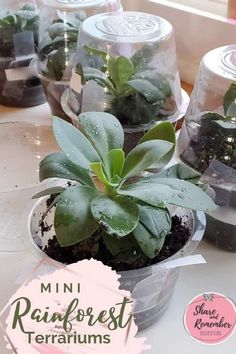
[23, 145]
[152, 287]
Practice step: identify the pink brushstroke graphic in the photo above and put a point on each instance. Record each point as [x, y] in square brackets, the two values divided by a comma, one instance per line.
[86, 298]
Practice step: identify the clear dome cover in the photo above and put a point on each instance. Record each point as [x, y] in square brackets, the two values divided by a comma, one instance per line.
[19, 24]
[211, 117]
[60, 22]
[125, 64]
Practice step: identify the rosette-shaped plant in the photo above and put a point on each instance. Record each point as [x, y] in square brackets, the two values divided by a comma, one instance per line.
[111, 194]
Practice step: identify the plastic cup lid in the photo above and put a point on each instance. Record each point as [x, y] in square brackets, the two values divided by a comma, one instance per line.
[222, 61]
[127, 27]
[74, 4]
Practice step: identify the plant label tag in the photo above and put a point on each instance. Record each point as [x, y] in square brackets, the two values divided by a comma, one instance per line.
[75, 82]
[23, 73]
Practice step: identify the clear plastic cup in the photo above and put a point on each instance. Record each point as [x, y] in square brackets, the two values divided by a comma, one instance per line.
[60, 22]
[208, 138]
[151, 287]
[19, 85]
[125, 64]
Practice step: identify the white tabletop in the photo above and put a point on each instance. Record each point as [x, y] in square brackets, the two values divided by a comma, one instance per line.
[168, 335]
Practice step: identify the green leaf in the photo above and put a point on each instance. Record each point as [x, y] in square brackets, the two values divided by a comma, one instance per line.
[144, 155]
[162, 131]
[154, 225]
[147, 89]
[103, 131]
[160, 192]
[231, 112]
[226, 124]
[57, 165]
[96, 75]
[184, 194]
[229, 97]
[150, 245]
[143, 56]
[155, 194]
[157, 79]
[120, 245]
[116, 160]
[117, 216]
[49, 191]
[74, 144]
[97, 168]
[73, 220]
[96, 52]
[120, 69]
[180, 171]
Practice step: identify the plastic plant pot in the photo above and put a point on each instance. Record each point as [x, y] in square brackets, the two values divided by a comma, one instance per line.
[125, 64]
[209, 137]
[60, 23]
[153, 294]
[19, 86]
[22, 146]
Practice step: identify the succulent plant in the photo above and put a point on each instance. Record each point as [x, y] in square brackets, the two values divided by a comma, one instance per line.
[109, 193]
[135, 94]
[26, 19]
[58, 45]
[216, 138]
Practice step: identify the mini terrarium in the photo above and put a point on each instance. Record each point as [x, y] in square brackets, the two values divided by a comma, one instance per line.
[209, 137]
[126, 65]
[59, 27]
[108, 212]
[18, 45]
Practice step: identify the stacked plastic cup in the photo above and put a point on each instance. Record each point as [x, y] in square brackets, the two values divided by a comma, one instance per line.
[60, 22]
[208, 139]
[18, 45]
[125, 64]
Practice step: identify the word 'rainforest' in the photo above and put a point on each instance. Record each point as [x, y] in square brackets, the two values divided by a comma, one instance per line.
[114, 318]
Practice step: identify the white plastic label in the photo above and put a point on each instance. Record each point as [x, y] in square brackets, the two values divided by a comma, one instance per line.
[23, 73]
[75, 82]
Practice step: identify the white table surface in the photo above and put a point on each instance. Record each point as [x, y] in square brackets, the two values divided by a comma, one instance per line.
[168, 335]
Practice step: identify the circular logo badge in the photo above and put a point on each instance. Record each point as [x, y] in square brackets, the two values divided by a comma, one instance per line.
[210, 318]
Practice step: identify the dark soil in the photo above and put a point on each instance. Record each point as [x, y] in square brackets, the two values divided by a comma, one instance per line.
[94, 247]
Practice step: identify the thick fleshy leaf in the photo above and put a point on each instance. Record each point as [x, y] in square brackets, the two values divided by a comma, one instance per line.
[120, 69]
[147, 90]
[49, 191]
[180, 171]
[226, 124]
[103, 130]
[162, 131]
[120, 245]
[163, 191]
[57, 165]
[97, 168]
[98, 76]
[73, 220]
[149, 244]
[184, 193]
[116, 159]
[74, 144]
[154, 194]
[158, 80]
[229, 97]
[144, 155]
[117, 216]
